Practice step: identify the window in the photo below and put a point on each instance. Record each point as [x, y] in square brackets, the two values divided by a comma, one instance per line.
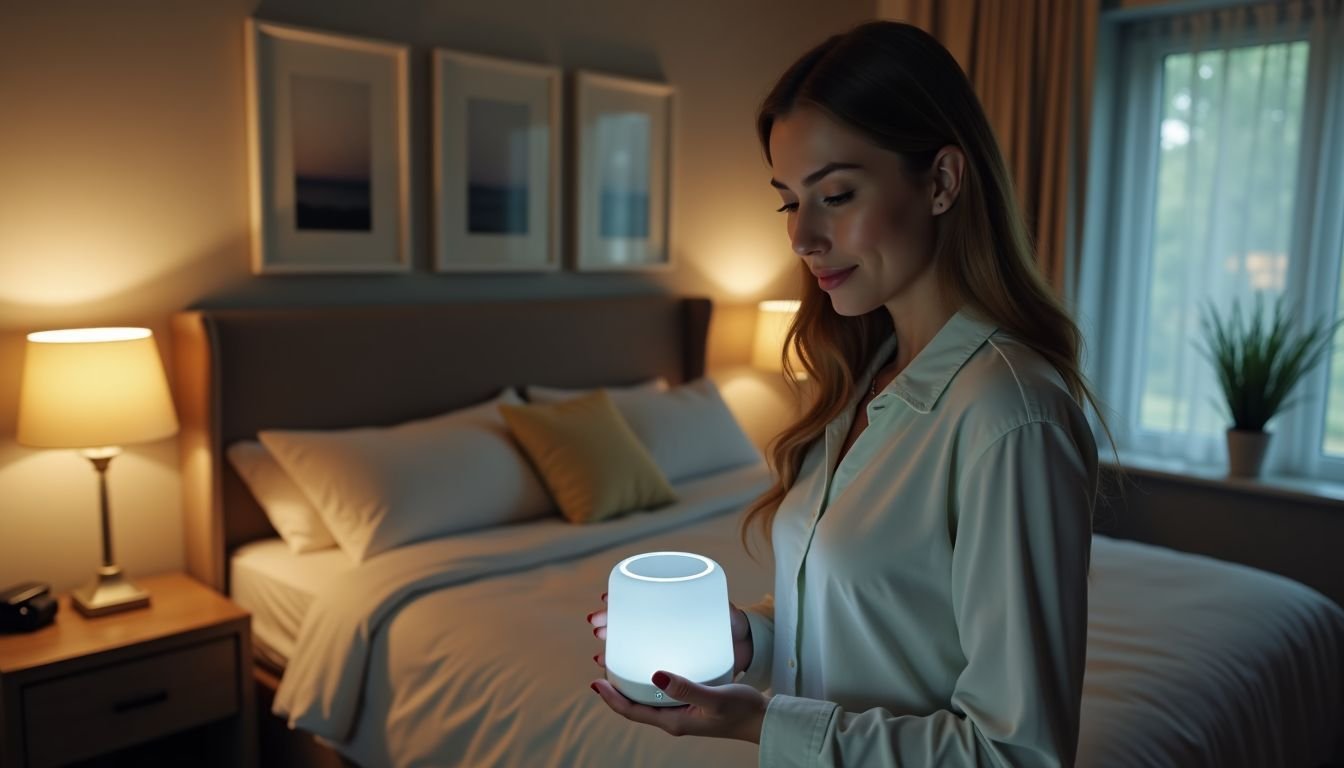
[1216, 175]
[1332, 443]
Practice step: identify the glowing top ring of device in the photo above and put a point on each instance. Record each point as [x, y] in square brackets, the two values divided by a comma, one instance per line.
[709, 566]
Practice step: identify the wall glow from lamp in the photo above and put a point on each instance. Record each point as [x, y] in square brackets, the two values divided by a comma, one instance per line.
[105, 258]
[743, 261]
[667, 611]
[772, 324]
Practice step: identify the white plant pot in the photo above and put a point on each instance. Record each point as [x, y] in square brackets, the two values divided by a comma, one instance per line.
[1246, 452]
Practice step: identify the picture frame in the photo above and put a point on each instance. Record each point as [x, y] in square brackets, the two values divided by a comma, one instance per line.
[497, 164]
[328, 145]
[624, 131]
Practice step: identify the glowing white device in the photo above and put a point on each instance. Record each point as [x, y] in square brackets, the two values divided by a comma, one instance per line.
[667, 611]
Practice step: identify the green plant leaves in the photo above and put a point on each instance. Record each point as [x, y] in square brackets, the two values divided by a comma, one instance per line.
[1260, 361]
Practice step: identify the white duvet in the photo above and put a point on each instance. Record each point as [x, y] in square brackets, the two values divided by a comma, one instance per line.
[473, 651]
[495, 671]
[1197, 662]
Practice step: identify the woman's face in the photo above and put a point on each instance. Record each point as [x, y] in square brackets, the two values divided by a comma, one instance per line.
[857, 218]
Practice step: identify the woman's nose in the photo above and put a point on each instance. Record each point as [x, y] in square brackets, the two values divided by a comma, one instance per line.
[806, 237]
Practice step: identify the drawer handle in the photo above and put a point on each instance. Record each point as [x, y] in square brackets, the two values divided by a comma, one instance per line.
[148, 700]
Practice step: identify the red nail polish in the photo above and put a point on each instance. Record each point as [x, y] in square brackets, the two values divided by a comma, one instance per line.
[594, 687]
[590, 617]
[594, 659]
[661, 680]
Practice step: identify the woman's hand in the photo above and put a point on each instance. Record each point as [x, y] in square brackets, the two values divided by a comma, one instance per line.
[732, 711]
[742, 648]
[726, 711]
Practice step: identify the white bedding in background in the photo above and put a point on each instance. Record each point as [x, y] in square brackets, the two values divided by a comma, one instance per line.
[1191, 661]
[323, 686]
[495, 672]
[1196, 662]
[276, 586]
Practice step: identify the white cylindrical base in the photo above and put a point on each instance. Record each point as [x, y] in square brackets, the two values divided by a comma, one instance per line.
[645, 692]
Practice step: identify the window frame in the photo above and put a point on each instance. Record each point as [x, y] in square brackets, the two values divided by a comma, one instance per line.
[1112, 294]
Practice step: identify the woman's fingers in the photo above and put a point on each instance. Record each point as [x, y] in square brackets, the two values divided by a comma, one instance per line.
[742, 647]
[598, 619]
[739, 622]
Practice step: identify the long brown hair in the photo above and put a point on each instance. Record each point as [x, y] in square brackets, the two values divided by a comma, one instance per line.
[899, 87]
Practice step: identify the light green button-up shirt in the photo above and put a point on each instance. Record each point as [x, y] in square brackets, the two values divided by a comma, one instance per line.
[930, 602]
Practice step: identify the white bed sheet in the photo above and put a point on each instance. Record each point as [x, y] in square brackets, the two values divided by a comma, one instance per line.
[277, 586]
[1191, 661]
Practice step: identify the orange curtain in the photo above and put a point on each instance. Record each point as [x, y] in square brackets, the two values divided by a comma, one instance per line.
[1031, 63]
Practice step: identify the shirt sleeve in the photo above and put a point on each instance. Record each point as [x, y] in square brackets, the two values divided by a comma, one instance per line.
[1019, 594]
[761, 617]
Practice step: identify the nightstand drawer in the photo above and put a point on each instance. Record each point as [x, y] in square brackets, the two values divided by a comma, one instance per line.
[115, 706]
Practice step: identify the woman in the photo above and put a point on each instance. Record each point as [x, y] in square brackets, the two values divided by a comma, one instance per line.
[931, 515]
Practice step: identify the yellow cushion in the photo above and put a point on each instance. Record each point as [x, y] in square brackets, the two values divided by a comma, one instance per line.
[588, 457]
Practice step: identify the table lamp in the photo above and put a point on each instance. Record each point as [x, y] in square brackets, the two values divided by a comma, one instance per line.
[772, 325]
[667, 611]
[96, 389]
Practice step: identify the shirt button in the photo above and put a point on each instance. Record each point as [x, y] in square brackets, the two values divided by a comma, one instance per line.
[792, 663]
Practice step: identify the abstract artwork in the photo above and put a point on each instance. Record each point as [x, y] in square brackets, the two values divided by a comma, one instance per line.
[328, 135]
[496, 164]
[624, 157]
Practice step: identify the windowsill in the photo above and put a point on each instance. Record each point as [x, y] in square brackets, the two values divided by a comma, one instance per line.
[1274, 486]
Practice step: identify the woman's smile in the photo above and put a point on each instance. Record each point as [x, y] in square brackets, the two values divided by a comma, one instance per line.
[830, 279]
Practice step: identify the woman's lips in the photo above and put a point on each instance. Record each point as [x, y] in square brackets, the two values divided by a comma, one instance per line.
[830, 280]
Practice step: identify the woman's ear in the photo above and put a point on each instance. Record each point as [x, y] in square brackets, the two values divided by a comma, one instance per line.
[948, 166]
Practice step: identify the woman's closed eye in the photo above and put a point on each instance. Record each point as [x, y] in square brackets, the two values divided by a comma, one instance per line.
[832, 201]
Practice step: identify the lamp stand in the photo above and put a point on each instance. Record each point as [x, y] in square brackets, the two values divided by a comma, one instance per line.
[111, 591]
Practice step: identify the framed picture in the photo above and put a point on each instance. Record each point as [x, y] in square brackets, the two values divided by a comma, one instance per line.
[624, 160]
[328, 145]
[496, 164]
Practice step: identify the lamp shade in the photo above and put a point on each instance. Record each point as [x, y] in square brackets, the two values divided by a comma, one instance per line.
[667, 611]
[772, 325]
[93, 387]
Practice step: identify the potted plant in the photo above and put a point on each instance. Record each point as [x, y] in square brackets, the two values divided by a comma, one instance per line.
[1258, 364]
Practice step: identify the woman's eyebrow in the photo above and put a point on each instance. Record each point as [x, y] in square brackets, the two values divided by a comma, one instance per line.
[819, 174]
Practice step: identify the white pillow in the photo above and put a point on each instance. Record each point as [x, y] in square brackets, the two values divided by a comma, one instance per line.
[378, 488]
[688, 430]
[289, 511]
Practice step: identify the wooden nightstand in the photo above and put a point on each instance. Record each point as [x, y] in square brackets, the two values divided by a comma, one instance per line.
[174, 678]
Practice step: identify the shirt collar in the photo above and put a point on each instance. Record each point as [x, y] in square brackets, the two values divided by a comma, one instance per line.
[924, 379]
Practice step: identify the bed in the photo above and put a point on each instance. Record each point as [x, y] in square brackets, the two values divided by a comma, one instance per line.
[472, 649]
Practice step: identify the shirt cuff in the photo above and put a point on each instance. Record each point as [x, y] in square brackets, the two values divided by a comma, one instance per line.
[757, 674]
[793, 731]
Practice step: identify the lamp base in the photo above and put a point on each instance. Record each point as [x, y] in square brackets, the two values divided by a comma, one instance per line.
[111, 592]
[645, 692]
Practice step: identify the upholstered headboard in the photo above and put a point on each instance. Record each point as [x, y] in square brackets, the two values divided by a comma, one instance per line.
[237, 371]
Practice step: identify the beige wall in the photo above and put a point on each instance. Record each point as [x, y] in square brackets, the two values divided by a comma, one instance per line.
[123, 198]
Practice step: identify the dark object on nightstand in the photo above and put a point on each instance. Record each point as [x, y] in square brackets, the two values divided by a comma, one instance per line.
[26, 607]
